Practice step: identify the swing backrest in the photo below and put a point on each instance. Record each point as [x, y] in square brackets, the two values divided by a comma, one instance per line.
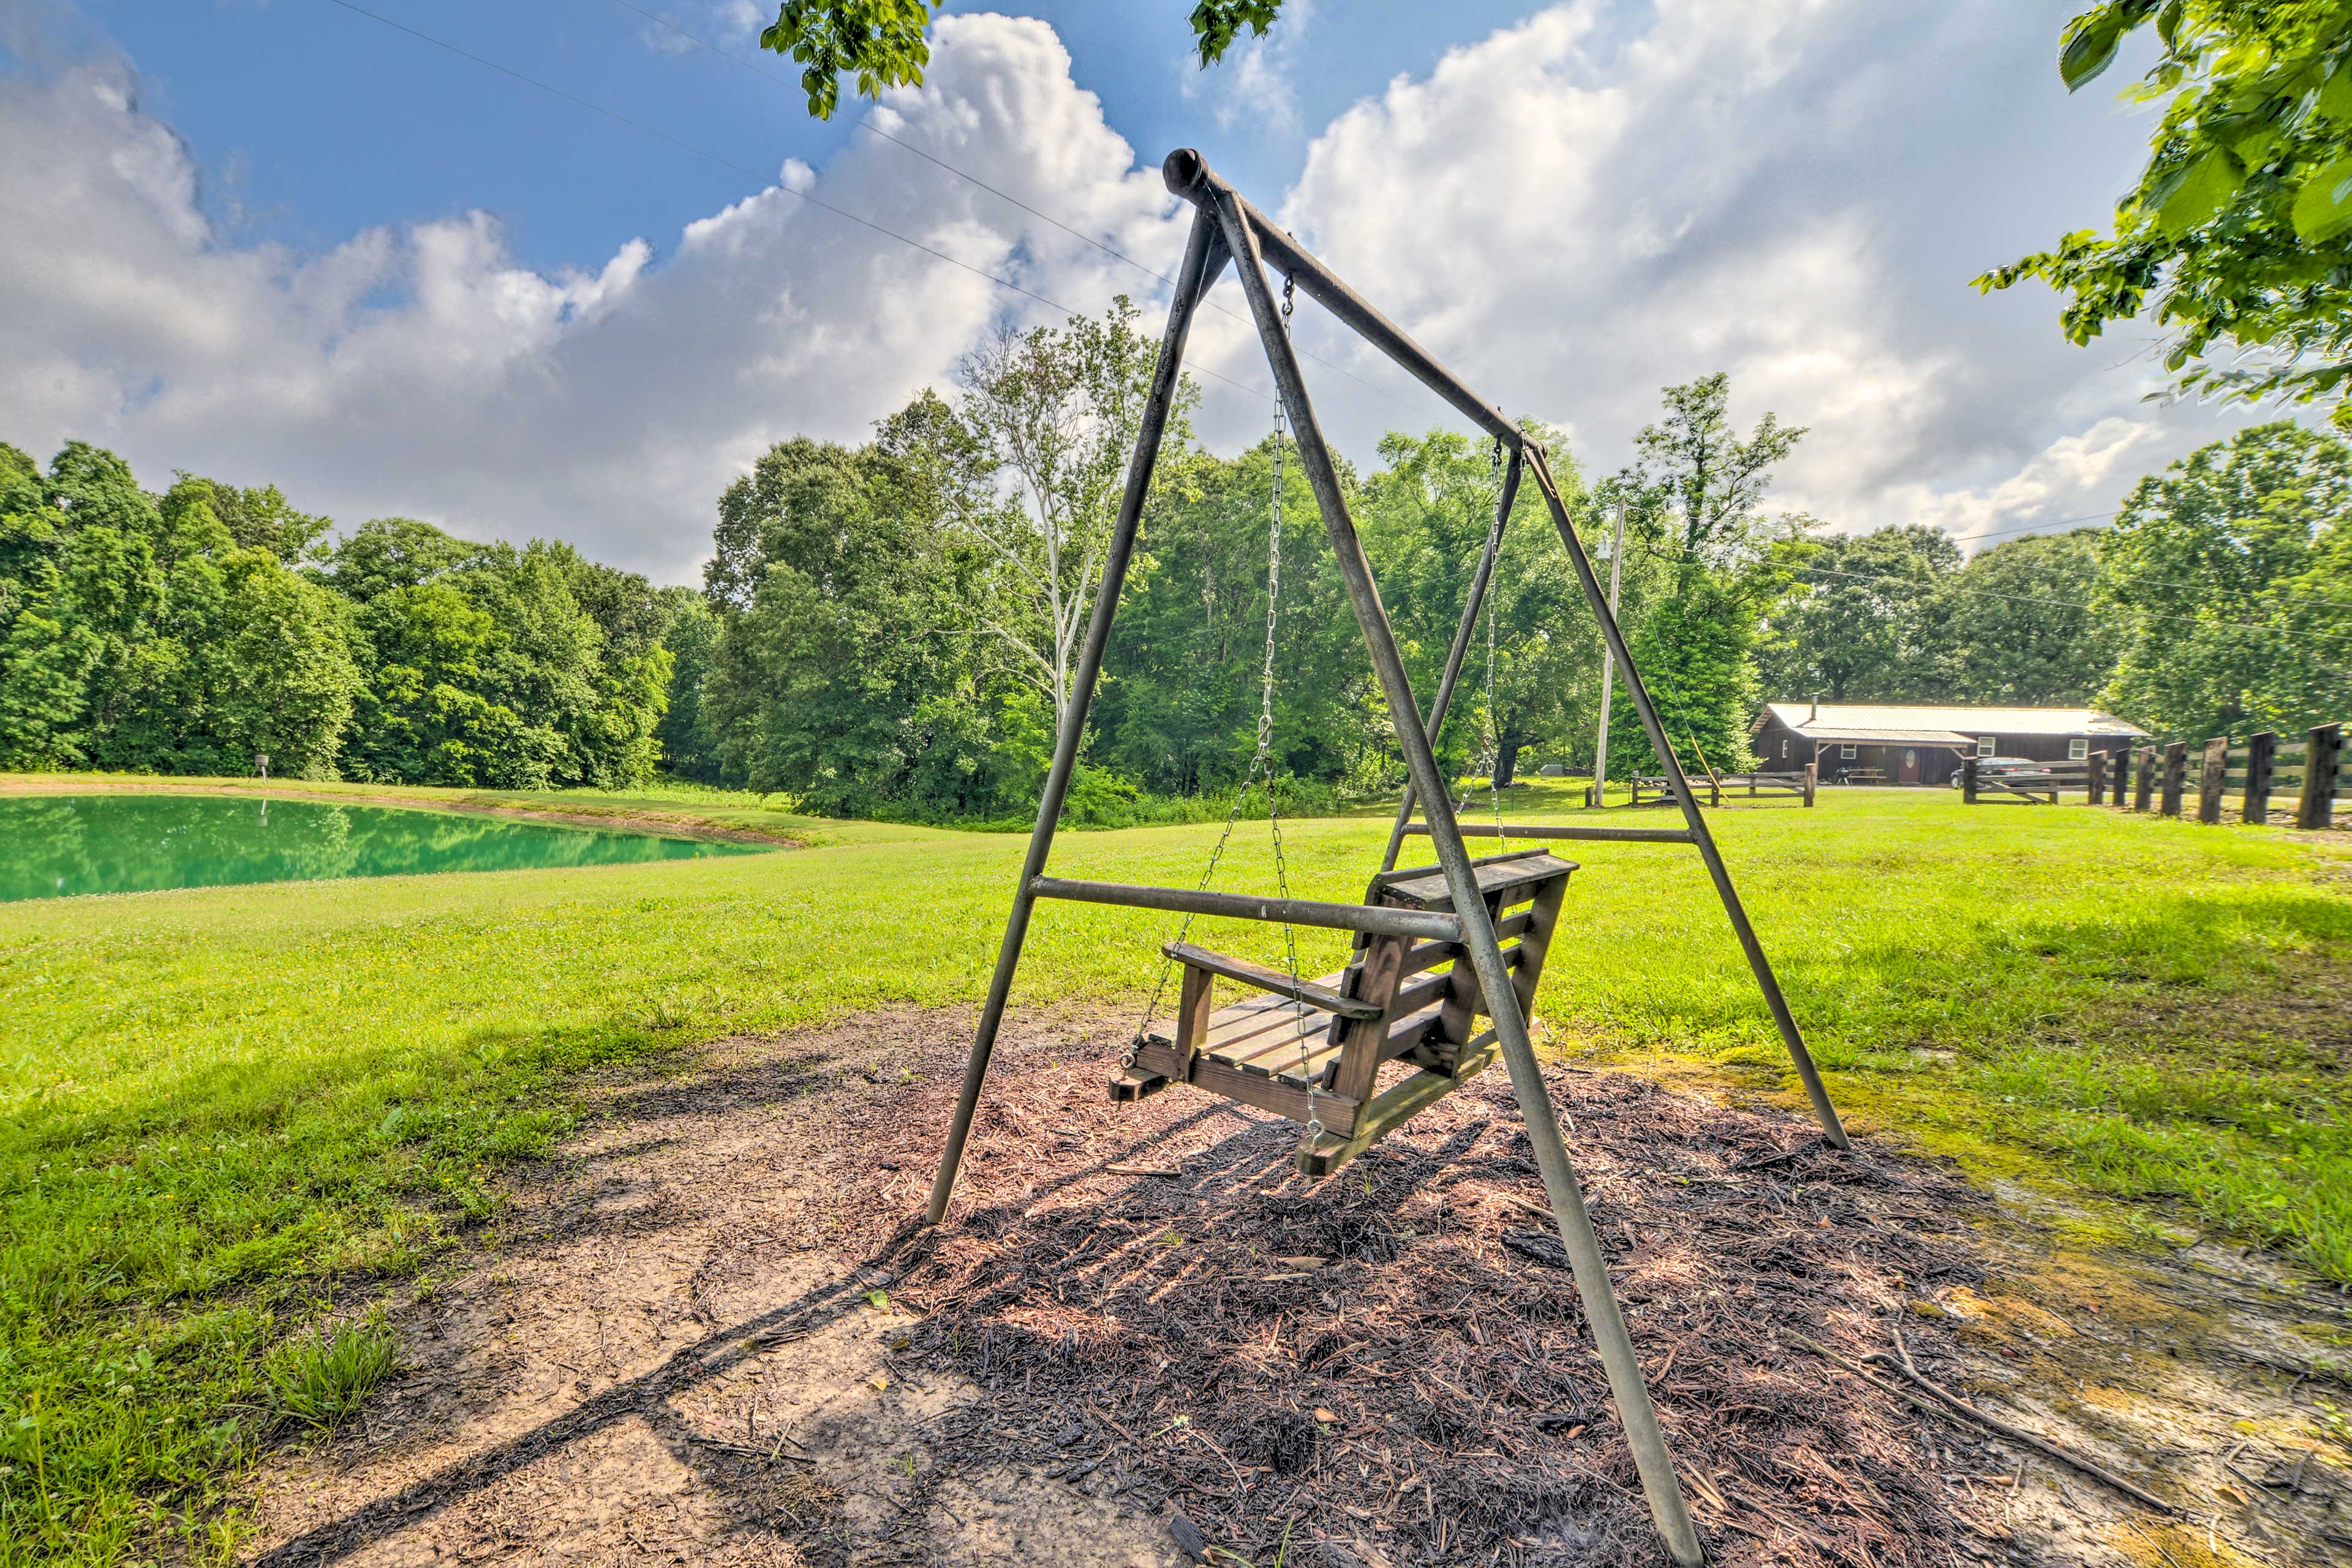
[1430, 1003]
[1313, 1050]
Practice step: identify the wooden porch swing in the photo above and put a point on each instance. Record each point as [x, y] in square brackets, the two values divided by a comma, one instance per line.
[1406, 998]
[1447, 958]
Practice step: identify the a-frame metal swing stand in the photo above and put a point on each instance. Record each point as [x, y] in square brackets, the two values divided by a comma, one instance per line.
[1225, 228]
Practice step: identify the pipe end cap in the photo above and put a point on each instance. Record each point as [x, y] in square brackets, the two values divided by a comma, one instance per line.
[1181, 170]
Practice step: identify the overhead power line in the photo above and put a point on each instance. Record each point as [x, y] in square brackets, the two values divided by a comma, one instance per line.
[725, 162]
[2034, 527]
[867, 123]
[2281, 632]
[2150, 582]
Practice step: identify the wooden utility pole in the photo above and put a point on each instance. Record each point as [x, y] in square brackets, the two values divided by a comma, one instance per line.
[1608, 674]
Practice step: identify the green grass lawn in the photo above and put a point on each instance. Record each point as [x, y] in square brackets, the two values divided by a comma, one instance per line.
[227, 1107]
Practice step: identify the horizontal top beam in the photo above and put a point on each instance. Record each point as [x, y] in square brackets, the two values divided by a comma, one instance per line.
[1190, 176]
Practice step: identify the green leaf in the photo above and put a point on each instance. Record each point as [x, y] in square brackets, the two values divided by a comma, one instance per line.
[880, 1298]
[1216, 24]
[2210, 182]
[2323, 209]
[2168, 23]
[2256, 149]
[2336, 93]
[2089, 49]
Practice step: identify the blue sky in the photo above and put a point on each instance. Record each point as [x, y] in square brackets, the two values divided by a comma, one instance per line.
[311, 121]
[280, 240]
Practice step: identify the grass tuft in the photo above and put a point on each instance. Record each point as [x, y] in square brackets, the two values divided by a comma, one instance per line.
[319, 1377]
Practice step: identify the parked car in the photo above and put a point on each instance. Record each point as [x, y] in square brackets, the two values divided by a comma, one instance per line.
[2015, 769]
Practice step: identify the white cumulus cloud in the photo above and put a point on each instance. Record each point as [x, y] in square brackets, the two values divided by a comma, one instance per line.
[421, 371]
[1573, 212]
[1583, 208]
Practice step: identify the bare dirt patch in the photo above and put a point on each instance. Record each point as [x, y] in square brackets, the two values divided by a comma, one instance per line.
[712, 1332]
[2299, 1017]
[2205, 1366]
[670, 1353]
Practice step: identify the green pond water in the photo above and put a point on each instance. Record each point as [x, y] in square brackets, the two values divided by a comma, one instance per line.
[60, 845]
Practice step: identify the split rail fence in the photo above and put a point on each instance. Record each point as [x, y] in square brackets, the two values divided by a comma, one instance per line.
[1800, 785]
[2298, 783]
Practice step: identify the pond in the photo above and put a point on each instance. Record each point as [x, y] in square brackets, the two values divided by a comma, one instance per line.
[60, 845]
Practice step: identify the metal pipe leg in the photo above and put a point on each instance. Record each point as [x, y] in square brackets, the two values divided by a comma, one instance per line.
[1470, 606]
[1634, 1410]
[1765, 982]
[1204, 259]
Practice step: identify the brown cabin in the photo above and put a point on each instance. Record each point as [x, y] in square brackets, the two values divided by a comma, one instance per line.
[1903, 743]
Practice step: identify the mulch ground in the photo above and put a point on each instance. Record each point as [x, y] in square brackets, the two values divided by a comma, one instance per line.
[1392, 1365]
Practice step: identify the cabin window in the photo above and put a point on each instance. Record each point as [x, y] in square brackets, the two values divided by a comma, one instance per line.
[2078, 751]
[1984, 745]
[1846, 753]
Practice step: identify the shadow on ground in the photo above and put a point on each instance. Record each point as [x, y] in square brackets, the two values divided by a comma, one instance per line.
[711, 1332]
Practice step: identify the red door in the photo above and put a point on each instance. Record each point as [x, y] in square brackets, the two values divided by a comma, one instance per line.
[1910, 765]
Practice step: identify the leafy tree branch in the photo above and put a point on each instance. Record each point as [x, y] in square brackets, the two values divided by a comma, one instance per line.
[2238, 234]
[886, 43]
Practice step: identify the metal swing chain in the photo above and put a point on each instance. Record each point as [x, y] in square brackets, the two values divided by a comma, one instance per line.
[1299, 1020]
[1260, 766]
[1494, 728]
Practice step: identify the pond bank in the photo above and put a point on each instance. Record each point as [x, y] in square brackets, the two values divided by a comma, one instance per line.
[620, 814]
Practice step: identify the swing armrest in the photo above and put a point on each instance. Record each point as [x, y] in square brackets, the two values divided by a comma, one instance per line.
[1280, 985]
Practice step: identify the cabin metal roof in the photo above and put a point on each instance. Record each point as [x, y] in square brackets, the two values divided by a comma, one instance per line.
[1920, 736]
[1907, 724]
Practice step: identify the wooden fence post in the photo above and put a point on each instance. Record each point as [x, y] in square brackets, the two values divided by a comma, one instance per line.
[2175, 777]
[2321, 752]
[2210, 774]
[2095, 778]
[1968, 781]
[2146, 786]
[2261, 749]
[2120, 763]
[1812, 781]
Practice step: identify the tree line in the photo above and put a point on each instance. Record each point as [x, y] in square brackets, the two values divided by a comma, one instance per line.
[2217, 601]
[196, 630]
[897, 620]
[890, 628]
